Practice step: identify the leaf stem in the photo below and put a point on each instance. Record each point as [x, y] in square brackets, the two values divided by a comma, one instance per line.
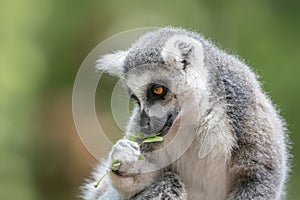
[101, 178]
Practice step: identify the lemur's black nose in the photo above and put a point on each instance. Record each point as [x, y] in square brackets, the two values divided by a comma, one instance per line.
[150, 125]
[145, 122]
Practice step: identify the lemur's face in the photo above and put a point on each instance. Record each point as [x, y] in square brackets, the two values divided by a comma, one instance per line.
[156, 98]
[159, 79]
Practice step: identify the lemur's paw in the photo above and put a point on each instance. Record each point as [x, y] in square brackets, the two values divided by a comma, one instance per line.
[127, 153]
[133, 174]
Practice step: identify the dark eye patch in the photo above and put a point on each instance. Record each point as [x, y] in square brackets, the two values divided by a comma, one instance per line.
[157, 92]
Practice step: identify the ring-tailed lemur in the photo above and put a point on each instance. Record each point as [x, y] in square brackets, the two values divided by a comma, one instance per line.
[239, 153]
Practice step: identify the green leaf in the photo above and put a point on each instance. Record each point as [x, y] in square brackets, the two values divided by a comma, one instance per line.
[153, 139]
[115, 162]
[115, 165]
[132, 138]
[142, 135]
[141, 157]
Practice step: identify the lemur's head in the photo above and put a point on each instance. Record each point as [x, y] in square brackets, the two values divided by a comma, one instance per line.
[161, 71]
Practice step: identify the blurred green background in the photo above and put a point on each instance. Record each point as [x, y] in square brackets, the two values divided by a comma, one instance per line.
[42, 44]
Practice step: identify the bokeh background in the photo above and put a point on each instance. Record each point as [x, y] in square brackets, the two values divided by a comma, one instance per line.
[42, 44]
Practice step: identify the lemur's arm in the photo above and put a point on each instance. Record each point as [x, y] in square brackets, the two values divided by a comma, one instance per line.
[167, 186]
[123, 184]
[259, 173]
[134, 174]
[139, 186]
[104, 191]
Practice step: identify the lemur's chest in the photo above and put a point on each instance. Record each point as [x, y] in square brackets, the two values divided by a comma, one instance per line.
[207, 178]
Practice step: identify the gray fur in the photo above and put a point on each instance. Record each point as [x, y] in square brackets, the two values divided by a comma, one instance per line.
[240, 147]
[167, 186]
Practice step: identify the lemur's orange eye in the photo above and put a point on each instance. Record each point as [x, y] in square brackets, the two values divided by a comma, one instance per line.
[158, 90]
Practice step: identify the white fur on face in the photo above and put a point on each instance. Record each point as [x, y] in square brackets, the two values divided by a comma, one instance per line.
[138, 85]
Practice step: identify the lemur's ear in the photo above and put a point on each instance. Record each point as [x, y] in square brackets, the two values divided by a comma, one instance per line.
[112, 63]
[182, 51]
